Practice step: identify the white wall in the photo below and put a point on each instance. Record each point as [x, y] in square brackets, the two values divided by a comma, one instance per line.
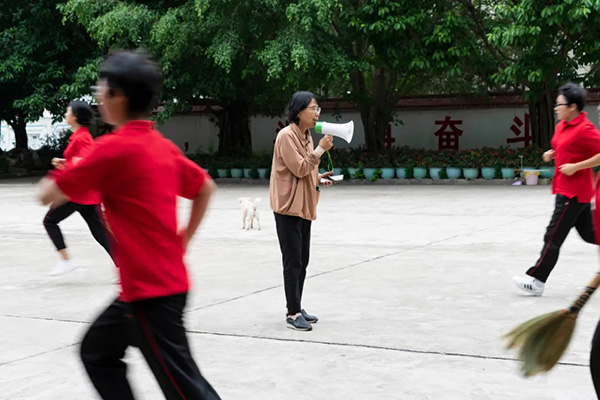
[36, 132]
[480, 127]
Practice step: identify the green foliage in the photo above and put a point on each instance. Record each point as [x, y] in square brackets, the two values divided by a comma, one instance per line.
[359, 173]
[39, 55]
[376, 175]
[55, 145]
[4, 164]
[541, 44]
[346, 173]
[207, 49]
[249, 56]
[370, 52]
[254, 173]
[212, 171]
[532, 156]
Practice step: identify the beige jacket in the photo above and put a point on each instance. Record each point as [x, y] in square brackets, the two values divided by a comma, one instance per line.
[295, 173]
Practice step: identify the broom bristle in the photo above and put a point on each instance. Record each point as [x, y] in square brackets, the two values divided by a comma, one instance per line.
[557, 343]
[542, 340]
[519, 334]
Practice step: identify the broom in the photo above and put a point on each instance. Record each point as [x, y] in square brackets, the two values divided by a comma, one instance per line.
[544, 339]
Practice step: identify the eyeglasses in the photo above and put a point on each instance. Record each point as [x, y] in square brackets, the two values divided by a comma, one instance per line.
[96, 90]
[97, 93]
[315, 109]
[560, 104]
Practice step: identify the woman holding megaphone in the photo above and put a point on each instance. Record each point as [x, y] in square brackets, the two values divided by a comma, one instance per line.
[294, 192]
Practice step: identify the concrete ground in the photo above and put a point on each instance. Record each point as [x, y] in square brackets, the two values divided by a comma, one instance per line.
[412, 285]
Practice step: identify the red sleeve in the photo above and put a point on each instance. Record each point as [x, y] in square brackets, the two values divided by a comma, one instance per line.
[90, 173]
[191, 177]
[590, 141]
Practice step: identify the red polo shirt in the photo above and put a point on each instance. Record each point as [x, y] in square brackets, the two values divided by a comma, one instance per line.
[139, 175]
[573, 142]
[80, 144]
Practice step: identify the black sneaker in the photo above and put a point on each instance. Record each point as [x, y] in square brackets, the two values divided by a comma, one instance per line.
[310, 318]
[299, 324]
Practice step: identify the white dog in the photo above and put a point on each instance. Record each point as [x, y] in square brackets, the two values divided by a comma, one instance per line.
[249, 212]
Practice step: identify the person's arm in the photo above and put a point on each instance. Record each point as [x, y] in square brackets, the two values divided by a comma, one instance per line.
[59, 163]
[571, 168]
[88, 174]
[549, 155]
[590, 144]
[51, 193]
[295, 162]
[199, 207]
[323, 178]
[194, 184]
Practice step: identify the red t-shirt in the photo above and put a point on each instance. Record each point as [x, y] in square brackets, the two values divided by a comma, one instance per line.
[139, 175]
[596, 213]
[573, 142]
[80, 144]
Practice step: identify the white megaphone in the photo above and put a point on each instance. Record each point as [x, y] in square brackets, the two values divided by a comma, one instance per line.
[345, 131]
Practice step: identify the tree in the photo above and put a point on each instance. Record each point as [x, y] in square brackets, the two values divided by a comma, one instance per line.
[539, 46]
[39, 55]
[380, 50]
[209, 52]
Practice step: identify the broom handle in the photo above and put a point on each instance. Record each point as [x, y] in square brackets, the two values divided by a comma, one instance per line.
[584, 297]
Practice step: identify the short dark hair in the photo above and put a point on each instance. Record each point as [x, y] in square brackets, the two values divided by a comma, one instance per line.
[298, 102]
[574, 94]
[82, 112]
[137, 75]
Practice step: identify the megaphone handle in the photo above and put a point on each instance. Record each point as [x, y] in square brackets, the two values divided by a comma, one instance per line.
[329, 162]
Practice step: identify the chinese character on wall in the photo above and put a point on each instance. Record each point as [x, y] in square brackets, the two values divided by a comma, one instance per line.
[519, 127]
[389, 140]
[280, 126]
[448, 134]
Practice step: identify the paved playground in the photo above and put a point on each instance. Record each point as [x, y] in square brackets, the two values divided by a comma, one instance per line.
[412, 286]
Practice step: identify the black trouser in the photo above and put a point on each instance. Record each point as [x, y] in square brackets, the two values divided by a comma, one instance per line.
[568, 213]
[155, 326]
[595, 360]
[294, 240]
[90, 214]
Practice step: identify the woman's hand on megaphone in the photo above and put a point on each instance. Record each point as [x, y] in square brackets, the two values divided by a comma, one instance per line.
[326, 142]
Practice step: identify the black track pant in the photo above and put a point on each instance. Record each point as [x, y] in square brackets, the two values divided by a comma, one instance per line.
[155, 326]
[91, 215]
[568, 213]
[595, 360]
[294, 241]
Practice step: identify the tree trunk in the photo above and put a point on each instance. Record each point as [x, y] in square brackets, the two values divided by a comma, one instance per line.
[541, 112]
[375, 109]
[375, 123]
[234, 129]
[18, 126]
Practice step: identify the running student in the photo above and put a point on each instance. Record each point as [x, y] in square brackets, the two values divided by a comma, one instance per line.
[79, 115]
[575, 139]
[139, 175]
[570, 169]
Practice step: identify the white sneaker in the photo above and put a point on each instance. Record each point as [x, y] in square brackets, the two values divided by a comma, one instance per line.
[529, 284]
[62, 267]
